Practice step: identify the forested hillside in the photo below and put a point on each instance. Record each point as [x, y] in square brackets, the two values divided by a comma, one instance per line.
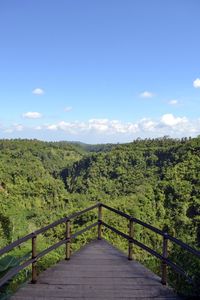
[30, 184]
[162, 174]
[157, 181]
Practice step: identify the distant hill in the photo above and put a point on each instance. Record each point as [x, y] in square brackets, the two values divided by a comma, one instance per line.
[92, 147]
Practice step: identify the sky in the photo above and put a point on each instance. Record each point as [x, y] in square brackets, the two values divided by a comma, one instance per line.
[99, 71]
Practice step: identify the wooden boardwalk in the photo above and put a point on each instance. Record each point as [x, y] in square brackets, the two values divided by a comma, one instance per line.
[97, 271]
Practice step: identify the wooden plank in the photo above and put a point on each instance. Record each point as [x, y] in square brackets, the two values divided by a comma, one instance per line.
[97, 262]
[99, 281]
[97, 298]
[104, 268]
[98, 271]
[91, 290]
[99, 274]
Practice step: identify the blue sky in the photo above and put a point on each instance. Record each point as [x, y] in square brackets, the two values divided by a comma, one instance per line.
[99, 71]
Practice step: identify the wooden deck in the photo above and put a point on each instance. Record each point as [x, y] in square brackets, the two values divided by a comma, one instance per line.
[97, 271]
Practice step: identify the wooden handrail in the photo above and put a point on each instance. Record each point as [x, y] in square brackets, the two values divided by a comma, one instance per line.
[176, 267]
[33, 236]
[184, 246]
[164, 260]
[154, 229]
[43, 229]
[68, 237]
[16, 243]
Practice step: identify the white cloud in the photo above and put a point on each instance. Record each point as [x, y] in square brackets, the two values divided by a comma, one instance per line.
[196, 83]
[146, 94]
[68, 108]
[171, 120]
[18, 127]
[53, 127]
[173, 102]
[166, 123]
[38, 128]
[32, 115]
[147, 125]
[100, 125]
[38, 91]
[13, 128]
[101, 130]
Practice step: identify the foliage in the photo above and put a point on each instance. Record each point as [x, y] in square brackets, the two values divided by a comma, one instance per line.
[155, 180]
[7, 263]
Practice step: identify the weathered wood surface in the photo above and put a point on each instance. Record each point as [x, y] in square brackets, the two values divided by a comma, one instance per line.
[97, 271]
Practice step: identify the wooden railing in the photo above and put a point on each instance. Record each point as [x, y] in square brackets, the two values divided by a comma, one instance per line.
[36, 256]
[165, 261]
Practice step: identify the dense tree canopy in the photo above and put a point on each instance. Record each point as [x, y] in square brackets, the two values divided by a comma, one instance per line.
[156, 180]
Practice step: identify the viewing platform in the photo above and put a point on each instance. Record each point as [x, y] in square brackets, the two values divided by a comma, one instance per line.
[96, 271]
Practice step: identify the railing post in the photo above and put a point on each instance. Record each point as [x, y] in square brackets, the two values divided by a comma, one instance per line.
[34, 255]
[99, 221]
[164, 264]
[130, 243]
[68, 242]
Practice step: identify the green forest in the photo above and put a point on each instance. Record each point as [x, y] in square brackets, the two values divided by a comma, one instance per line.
[154, 180]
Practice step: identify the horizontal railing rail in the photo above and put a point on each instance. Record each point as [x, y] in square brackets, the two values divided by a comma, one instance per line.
[164, 257]
[14, 271]
[165, 261]
[184, 245]
[156, 230]
[152, 228]
[149, 250]
[43, 229]
[17, 269]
